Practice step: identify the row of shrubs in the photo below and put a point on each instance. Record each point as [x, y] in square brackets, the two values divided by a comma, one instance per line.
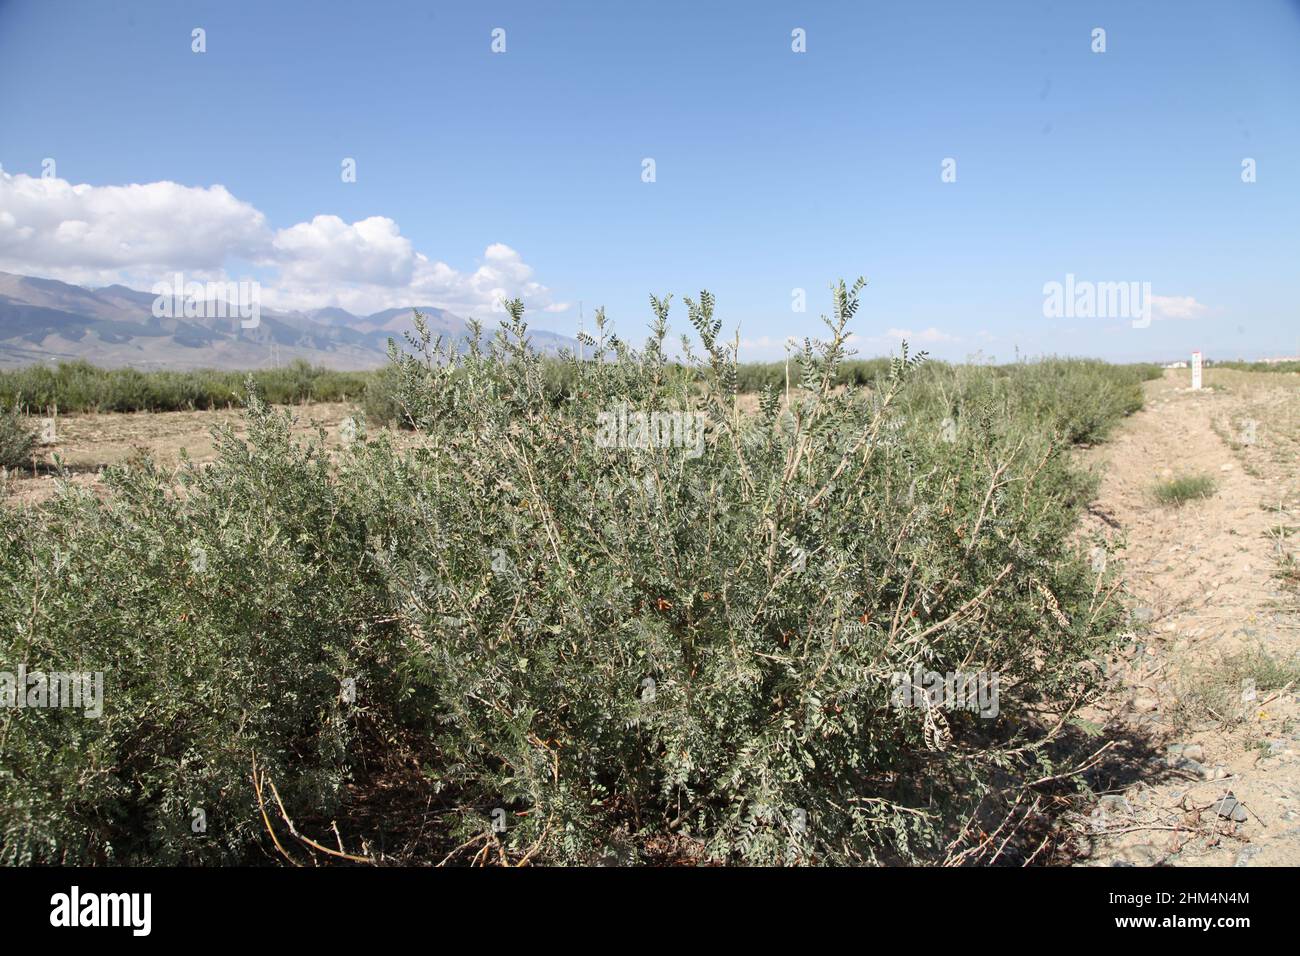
[1081, 397]
[82, 387]
[559, 377]
[1285, 367]
[571, 650]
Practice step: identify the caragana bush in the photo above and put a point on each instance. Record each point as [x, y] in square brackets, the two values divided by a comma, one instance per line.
[677, 642]
[17, 439]
[765, 589]
[225, 607]
[1081, 398]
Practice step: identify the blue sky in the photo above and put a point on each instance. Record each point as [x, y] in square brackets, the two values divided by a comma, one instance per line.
[774, 170]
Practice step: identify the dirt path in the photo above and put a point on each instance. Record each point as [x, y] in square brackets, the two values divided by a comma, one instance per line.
[1210, 773]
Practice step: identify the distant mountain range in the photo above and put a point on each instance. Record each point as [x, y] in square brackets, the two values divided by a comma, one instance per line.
[43, 320]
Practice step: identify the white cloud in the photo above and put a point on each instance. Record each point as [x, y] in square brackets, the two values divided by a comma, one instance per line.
[106, 233]
[139, 234]
[767, 348]
[1177, 307]
[327, 249]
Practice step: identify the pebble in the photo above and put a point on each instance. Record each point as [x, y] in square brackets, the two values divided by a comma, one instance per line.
[1115, 803]
[1190, 751]
[1246, 855]
[1144, 854]
[1230, 809]
[1144, 705]
[1188, 765]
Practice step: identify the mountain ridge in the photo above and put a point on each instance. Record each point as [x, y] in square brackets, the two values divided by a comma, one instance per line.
[113, 326]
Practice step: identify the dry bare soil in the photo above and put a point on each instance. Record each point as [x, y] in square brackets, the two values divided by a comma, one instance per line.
[1204, 759]
[86, 443]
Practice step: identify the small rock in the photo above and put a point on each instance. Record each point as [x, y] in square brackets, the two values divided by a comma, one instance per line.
[1226, 467]
[1188, 765]
[1144, 854]
[1190, 751]
[1219, 773]
[1247, 853]
[1145, 705]
[1231, 809]
[1143, 614]
[1114, 803]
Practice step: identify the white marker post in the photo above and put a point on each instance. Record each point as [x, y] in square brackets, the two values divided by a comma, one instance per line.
[1196, 371]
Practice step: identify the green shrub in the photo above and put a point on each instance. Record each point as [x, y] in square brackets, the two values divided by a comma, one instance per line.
[509, 591]
[551, 578]
[16, 439]
[224, 612]
[81, 387]
[1176, 492]
[1214, 693]
[1081, 398]
[380, 401]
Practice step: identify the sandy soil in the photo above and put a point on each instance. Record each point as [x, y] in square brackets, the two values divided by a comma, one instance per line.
[1204, 582]
[86, 443]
